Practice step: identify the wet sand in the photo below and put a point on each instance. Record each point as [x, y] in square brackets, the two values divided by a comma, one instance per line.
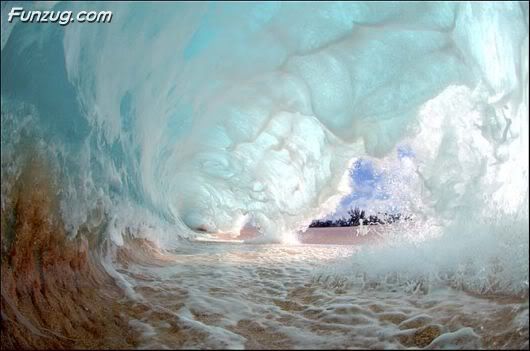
[359, 235]
[342, 235]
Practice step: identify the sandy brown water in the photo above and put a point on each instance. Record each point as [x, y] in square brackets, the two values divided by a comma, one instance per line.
[54, 291]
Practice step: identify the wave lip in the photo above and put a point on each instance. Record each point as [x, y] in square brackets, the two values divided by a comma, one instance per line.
[252, 114]
[204, 145]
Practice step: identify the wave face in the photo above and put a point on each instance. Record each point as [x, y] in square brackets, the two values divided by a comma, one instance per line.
[185, 117]
[176, 121]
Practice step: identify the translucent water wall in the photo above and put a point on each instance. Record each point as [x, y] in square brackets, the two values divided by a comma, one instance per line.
[181, 117]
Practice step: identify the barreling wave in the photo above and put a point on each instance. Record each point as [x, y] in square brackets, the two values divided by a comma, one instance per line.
[193, 113]
[178, 120]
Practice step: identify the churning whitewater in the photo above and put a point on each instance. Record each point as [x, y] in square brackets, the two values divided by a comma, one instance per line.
[136, 154]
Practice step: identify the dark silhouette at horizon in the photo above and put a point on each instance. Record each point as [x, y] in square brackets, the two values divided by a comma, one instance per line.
[358, 217]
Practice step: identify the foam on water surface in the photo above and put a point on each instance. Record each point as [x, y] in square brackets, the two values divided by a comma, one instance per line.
[179, 124]
[273, 296]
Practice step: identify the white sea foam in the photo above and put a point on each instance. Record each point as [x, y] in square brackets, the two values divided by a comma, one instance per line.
[187, 117]
[235, 296]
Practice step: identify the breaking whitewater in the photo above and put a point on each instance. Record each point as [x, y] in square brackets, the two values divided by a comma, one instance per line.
[159, 173]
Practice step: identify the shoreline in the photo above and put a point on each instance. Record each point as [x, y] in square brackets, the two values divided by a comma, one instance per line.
[321, 236]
